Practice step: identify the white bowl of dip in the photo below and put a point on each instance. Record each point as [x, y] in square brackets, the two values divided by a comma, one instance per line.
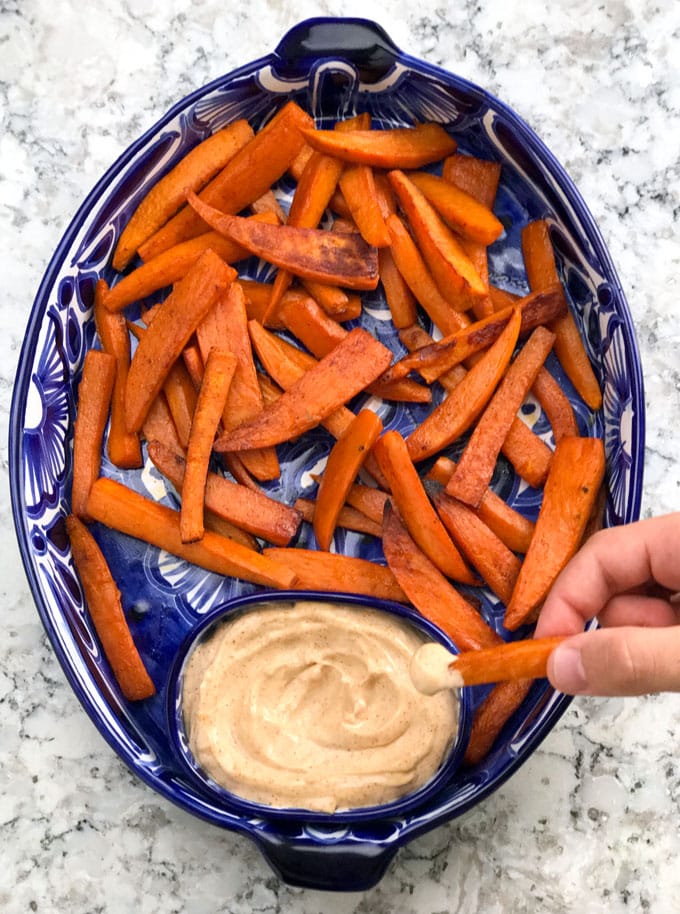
[301, 704]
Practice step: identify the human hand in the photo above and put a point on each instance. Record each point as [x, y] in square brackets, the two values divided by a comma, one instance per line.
[628, 577]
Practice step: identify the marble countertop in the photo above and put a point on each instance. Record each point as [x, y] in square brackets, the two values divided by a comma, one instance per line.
[591, 822]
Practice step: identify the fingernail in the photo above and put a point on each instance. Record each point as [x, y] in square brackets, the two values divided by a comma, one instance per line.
[568, 673]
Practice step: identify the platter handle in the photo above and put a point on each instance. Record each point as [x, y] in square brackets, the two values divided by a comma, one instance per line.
[361, 42]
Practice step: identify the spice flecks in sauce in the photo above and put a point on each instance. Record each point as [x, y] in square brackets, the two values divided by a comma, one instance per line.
[312, 706]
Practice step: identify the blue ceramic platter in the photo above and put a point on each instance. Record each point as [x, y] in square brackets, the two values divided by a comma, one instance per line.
[332, 68]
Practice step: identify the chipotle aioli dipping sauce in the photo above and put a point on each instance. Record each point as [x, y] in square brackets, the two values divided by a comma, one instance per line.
[312, 706]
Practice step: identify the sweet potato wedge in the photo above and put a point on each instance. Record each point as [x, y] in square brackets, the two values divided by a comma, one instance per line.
[180, 394]
[476, 465]
[94, 398]
[102, 598]
[461, 212]
[180, 314]
[516, 660]
[492, 715]
[249, 509]
[357, 183]
[453, 271]
[344, 462]
[403, 147]
[429, 591]
[328, 571]
[414, 506]
[476, 177]
[497, 565]
[159, 426]
[432, 359]
[312, 195]
[219, 371]
[192, 172]
[172, 265]
[400, 299]
[418, 278]
[353, 364]
[348, 518]
[226, 324]
[465, 403]
[528, 454]
[509, 525]
[122, 446]
[344, 260]
[571, 490]
[541, 270]
[251, 172]
[555, 404]
[122, 509]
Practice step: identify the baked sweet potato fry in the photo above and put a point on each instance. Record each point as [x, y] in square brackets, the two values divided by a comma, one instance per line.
[429, 591]
[249, 509]
[321, 334]
[453, 271]
[192, 172]
[572, 487]
[528, 454]
[477, 463]
[432, 359]
[555, 404]
[344, 462]
[368, 500]
[122, 509]
[122, 446]
[330, 572]
[222, 527]
[348, 518]
[418, 278]
[357, 183]
[312, 195]
[497, 565]
[159, 426]
[511, 527]
[414, 506]
[465, 403]
[515, 660]
[400, 299]
[226, 325]
[251, 172]
[102, 598]
[462, 212]
[180, 394]
[403, 147]
[219, 371]
[539, 260]
[344, 260]
[476, 177]
[353, 364]
[94, 398]
[492, 715]
[180, 314]
[172, 265]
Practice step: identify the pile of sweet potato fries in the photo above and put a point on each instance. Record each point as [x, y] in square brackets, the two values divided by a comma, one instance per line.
[209, 375]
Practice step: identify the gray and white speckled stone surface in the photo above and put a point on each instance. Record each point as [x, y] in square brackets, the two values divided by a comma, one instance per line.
[592, 822]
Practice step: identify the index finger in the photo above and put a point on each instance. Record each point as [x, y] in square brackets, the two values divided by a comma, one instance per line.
[612, 562]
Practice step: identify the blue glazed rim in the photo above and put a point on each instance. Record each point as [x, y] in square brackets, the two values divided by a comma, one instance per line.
[292, 855]
[398, 807]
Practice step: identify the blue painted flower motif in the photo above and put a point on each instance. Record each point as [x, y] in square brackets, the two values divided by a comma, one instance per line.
[46, 421]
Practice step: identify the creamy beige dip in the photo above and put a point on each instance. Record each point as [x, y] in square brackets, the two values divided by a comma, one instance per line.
[312, 706]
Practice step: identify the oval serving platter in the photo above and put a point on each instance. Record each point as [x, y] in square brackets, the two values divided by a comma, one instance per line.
[333, 68]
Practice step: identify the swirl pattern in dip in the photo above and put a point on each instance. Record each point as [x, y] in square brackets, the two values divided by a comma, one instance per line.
[312, 706]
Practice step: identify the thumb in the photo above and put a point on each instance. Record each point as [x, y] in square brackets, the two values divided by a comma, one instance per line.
[618, 661]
